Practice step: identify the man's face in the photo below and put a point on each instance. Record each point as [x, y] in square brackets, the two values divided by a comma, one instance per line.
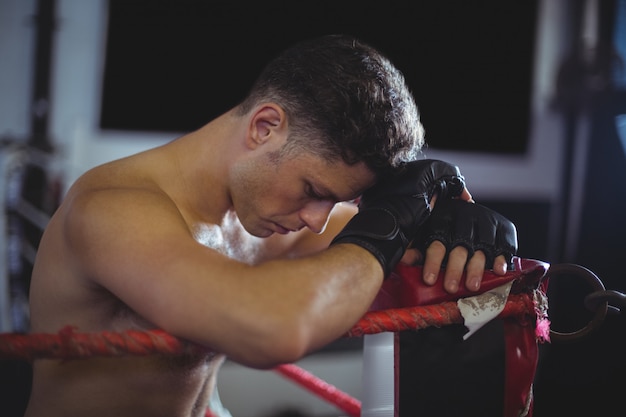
[293, 192]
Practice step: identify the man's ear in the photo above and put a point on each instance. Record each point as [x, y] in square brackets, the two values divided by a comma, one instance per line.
[268, 122]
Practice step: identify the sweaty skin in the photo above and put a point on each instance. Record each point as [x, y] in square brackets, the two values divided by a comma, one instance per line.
[153, 241]
[212, 239]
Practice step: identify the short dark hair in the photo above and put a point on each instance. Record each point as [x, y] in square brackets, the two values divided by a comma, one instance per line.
[343, 98]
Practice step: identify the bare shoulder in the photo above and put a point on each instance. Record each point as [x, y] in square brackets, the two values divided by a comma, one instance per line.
[80, 246]
[100, 224]
[131, 242]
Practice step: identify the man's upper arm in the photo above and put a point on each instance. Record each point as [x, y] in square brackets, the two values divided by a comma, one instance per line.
[137, 245]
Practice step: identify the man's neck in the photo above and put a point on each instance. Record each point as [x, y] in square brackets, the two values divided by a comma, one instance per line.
[201, 163]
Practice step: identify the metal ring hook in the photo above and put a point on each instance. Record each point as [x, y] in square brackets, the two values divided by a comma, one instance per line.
[600, 308]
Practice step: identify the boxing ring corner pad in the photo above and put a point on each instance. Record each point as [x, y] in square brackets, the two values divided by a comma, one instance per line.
[379, 385]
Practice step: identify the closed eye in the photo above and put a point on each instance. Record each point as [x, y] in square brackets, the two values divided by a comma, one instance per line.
[311, 192]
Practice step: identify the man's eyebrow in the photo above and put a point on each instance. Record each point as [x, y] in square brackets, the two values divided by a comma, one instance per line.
[351, 197]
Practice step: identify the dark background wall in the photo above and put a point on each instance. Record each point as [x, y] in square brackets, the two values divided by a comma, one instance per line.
[470, 65]
[459, 59]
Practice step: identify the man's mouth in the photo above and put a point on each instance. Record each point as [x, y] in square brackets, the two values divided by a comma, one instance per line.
[281, 230]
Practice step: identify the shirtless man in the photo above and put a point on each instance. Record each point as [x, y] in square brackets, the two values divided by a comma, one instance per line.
[221, 237]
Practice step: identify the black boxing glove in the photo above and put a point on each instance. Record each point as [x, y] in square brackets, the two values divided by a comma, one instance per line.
[475, 227]
[391, 212]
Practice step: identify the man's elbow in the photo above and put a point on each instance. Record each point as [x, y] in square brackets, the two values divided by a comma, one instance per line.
[287, 344]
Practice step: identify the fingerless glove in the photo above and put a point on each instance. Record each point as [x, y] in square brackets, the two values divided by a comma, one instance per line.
[391, 212]
[473, 226]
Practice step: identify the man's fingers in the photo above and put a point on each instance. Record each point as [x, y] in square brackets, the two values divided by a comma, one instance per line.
[466, 196]
[455, 268]
[500, 265]
[412, 256]
[475, 270]
[457, 264]
[434, 257]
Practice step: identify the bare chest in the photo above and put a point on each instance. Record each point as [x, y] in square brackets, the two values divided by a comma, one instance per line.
[231, 240]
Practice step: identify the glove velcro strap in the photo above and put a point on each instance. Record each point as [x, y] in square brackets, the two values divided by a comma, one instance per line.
[377, 231]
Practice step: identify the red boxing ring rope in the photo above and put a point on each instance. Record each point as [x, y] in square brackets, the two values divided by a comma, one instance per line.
[69, 344]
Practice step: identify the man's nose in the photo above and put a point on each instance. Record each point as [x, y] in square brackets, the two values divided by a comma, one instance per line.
[315, 214]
